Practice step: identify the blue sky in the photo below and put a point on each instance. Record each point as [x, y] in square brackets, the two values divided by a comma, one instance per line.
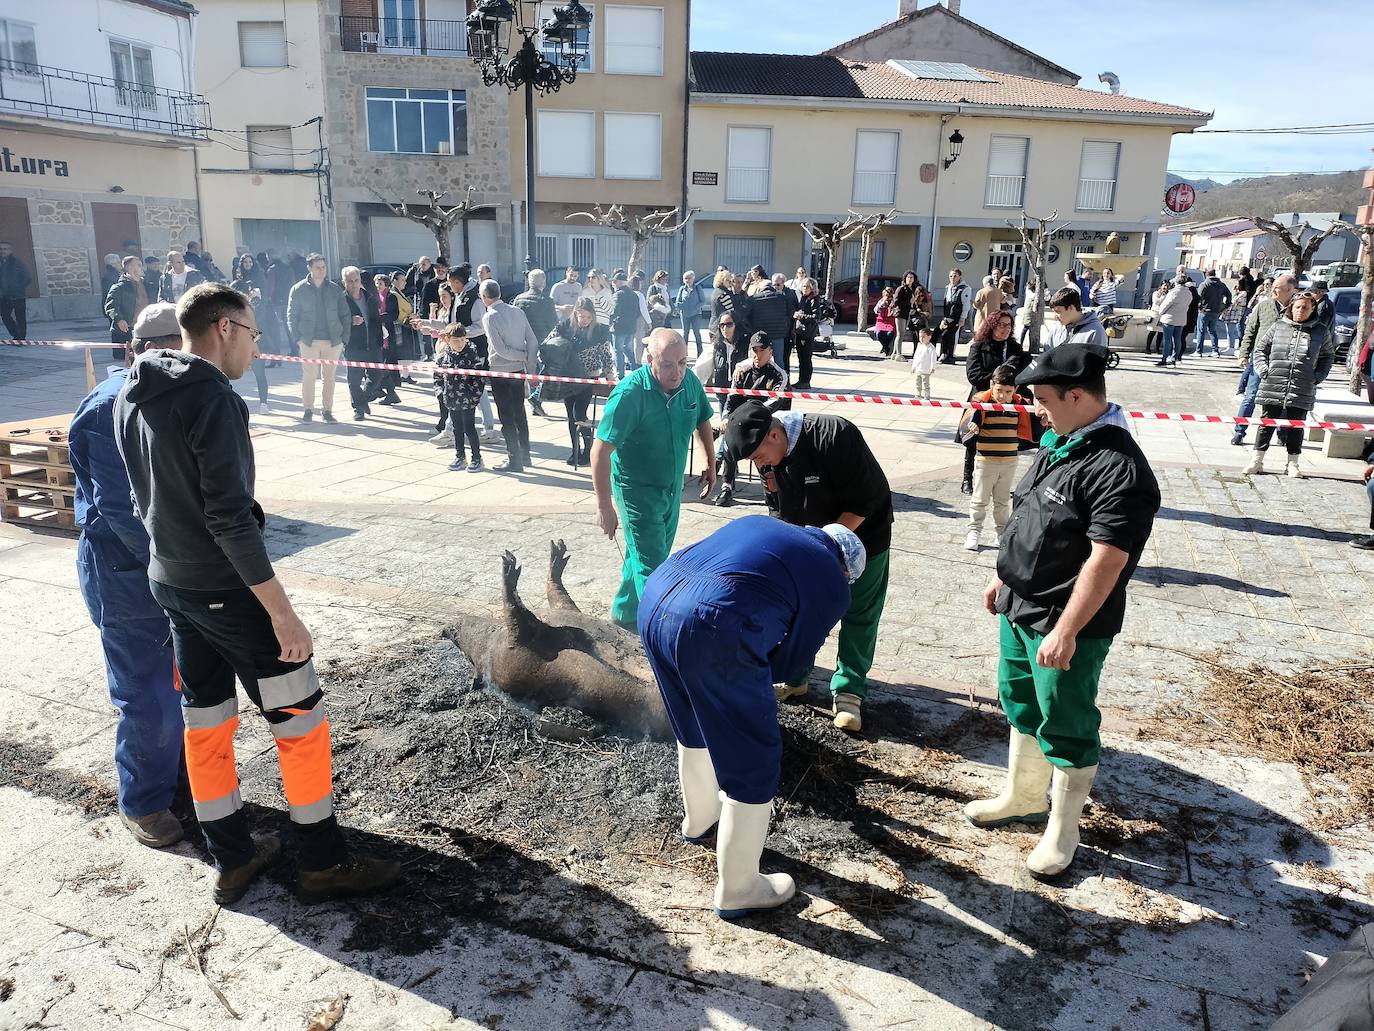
[1242, 60]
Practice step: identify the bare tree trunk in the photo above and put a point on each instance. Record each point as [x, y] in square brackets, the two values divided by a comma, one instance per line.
[638, 245]
[865, 260]
[832, 258]
[441, 240]
[1363, 325]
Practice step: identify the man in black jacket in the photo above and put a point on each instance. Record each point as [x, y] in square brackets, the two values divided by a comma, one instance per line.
[760, 372]
[183, 434]
[1080, 520]
[823, 472]
[14, 289]
[542, 315]
[625, 317]
[126, 299]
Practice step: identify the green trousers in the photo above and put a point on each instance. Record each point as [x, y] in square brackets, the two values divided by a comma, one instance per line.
[1058, 707]
[859, 629]
[649, 517]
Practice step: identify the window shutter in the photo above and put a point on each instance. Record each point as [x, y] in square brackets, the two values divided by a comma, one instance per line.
[1099, 159]
[876, 152]
[262, 44]
[269, 147]
[567, 143]
[633, 146]
[1007, 155]
[634, 40]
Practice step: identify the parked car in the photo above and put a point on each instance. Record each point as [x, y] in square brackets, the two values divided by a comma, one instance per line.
[1340, 273]
[1347, 302]
[383, 268]
[847, 295]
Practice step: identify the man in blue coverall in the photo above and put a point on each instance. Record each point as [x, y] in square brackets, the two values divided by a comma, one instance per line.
[112, 565]
[722, 621]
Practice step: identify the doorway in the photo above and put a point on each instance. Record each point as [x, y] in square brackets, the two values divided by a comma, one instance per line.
[17, 232]
[1008, 260]
[116, 229]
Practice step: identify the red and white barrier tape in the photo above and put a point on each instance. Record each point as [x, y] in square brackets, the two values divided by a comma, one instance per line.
[899, 400]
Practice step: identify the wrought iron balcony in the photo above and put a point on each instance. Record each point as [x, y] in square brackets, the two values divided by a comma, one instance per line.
[71, 96]
[407, 36]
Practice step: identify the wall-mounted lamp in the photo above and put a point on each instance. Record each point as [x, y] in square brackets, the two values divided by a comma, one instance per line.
[956, 144]
[120, 189]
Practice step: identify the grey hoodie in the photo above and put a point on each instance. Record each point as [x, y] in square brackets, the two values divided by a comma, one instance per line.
[183, 434]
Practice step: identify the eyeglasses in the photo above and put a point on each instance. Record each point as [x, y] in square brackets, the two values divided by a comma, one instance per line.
[724, 323]
[257, 333]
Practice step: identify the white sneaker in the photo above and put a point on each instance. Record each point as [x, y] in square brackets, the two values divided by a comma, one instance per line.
[1256, 464]
[1293, 471]
[444, 438]
[971, 541]
[491, 437]
[264, 408]
[994, 542]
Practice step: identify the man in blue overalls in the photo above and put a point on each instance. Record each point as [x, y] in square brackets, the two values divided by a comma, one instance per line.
[112, 564]
[722, 621]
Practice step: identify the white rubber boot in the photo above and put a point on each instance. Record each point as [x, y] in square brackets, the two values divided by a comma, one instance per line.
[1022, 799]
[1068, 793]
[1293, 469]
[741, 889]
[1256, 464]
[696, 776]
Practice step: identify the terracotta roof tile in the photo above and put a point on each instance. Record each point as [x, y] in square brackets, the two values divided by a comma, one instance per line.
[827, 77]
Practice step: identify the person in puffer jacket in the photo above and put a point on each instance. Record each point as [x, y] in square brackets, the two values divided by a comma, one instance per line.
[1291, 359]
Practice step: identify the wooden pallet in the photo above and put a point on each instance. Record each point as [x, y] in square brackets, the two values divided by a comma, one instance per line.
[36, 478]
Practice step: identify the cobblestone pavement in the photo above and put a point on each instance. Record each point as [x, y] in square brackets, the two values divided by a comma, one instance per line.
[381, 546]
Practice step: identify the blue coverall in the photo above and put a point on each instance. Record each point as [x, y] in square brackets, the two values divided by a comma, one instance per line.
[112, 565]
[724, 620]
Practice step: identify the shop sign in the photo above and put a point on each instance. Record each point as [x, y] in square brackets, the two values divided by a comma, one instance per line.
[12, 162]
[705, 178]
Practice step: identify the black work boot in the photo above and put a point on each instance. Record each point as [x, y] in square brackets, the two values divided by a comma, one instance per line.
[358, 874]
[232, 885]
[536, 407]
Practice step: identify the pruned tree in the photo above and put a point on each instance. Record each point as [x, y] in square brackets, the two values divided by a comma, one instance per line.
[830, 239]
[873, 225]
[438, 219]
[639, 228]
[1291, 238]
[1365, 234]
[1037, 243]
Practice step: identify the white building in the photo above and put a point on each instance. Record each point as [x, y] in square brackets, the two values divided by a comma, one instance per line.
[98, 126]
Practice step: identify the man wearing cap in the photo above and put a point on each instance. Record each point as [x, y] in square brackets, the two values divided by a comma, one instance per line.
[1079, 522]
[721, 622]
[1326, 311]
[759, 372]
[639, 456]
[823, 472]
[112, 568]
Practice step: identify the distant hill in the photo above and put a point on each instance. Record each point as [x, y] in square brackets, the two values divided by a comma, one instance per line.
[1332, 191]
[1201, 185]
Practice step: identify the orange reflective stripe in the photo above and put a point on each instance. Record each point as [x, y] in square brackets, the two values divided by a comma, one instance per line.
[210, 764]
[306, 774]
[176, 677]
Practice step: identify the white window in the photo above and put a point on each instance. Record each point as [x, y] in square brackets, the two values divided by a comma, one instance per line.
[875, 167]
[400, 23]
[1006, 172]
[633, 146]
[851, 255]
[18, 49]
[416, 121]
[1097, 175]
[269, 146]
[748, 152]
[567, 144]
[133, 74]
[262, 44]
[584, 37]
[738, 253]
[634, 40]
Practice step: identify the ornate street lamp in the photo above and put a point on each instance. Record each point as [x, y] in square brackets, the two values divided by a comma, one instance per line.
[956, 145]
[513, 49]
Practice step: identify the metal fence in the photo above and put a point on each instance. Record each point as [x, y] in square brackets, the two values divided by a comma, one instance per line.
[1005, 191]
[1096, 194]
[72, 96]
[414, 36]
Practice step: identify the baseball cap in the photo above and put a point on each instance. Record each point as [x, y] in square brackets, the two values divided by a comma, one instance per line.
[760, 340]
[157, 320]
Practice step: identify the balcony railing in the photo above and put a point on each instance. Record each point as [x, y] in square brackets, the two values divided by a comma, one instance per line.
[413, 36]
[1096, 194]
[71, 96]
[1005, 191]
[875, 188]
[746, 184]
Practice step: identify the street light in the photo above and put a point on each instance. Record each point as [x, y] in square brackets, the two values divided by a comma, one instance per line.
[501, 39]
[956, 144]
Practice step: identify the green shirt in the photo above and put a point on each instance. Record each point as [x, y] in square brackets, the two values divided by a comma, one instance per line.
[651, 430]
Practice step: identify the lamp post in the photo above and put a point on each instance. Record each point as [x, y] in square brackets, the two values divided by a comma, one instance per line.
[502, 41]
[956, 146]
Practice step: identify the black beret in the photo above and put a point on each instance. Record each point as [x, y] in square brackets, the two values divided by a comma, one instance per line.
[746, 428]
[1066, 365]
[760, 339]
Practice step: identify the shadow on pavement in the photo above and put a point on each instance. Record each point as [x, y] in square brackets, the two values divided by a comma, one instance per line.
[1163, 576]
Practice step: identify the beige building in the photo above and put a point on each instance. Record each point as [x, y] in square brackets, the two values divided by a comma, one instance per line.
[262, 178]
[781, 140]
[99, 123]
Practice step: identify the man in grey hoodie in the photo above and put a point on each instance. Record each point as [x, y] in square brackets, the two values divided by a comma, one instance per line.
[183, 434]
[1076, 326]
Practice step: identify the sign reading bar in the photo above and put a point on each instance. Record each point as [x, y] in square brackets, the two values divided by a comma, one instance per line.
[705, 178]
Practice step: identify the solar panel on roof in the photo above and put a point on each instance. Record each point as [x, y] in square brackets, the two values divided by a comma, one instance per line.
[941, 70]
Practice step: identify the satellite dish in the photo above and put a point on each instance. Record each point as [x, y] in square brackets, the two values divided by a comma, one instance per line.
[1110, 78]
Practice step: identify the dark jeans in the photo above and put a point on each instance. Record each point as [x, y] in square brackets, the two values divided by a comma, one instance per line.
[260, 376]
[15, 313]
[465, 430]
[217, 635]
[509, 395]
[1290, 438]
[576, 407]
[691, 324]
[1249, 389]
[443, 418]
[802, 349]
[363, 384]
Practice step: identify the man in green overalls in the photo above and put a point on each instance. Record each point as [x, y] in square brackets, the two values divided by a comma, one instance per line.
[639, 457]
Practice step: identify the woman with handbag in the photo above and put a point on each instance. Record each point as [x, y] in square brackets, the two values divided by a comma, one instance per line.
[580, 347]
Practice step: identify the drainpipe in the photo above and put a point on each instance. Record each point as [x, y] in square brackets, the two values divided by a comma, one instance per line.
[935, 206]
[686, 120]
[189, 66]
